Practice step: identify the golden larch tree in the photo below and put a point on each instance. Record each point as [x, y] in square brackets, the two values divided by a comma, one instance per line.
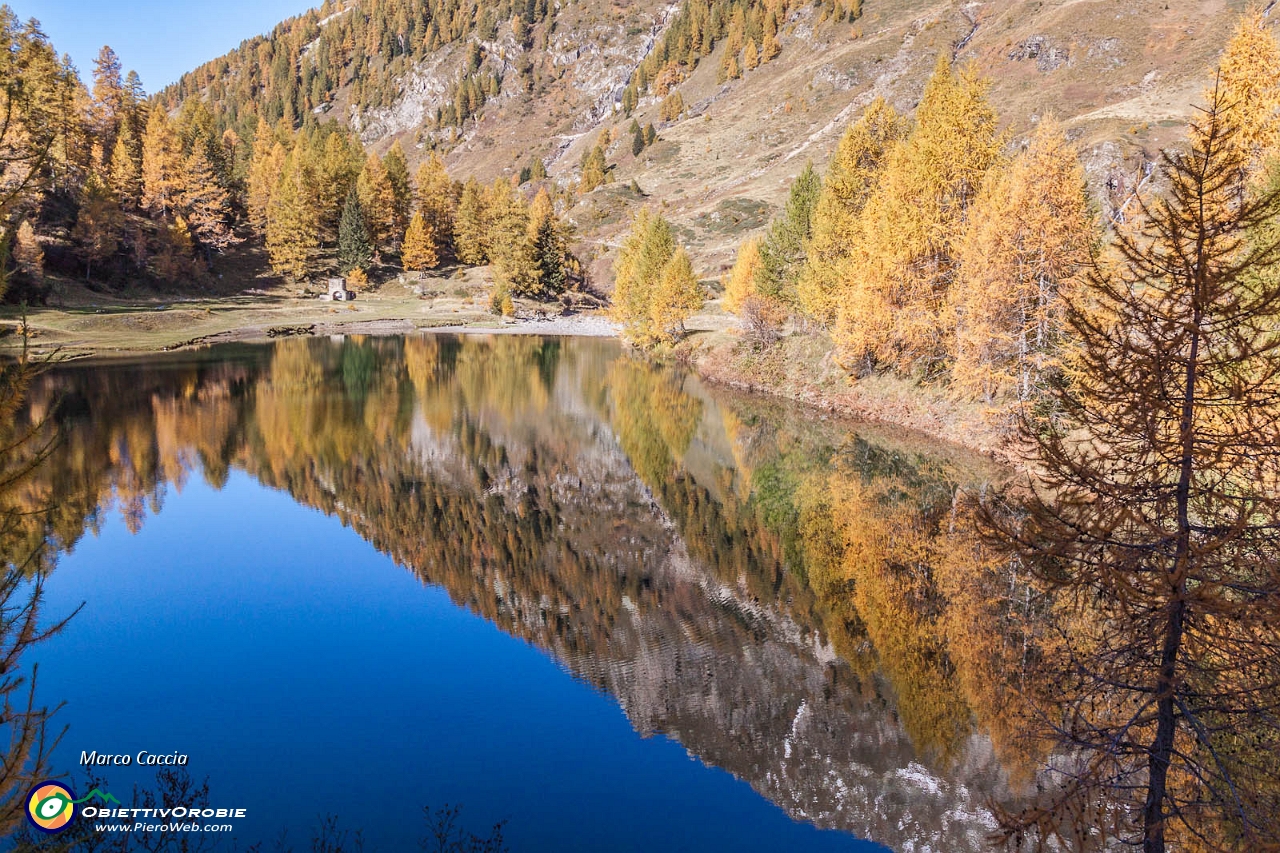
[676, 297]
[378, 199]
[266, 162]
[438, 202]
[896, 312]
[740, 283]
[205, 203]
[655, 289]
[1249, 77]
[27, 253]
[126, 168]
[510, 251]
[397, 168]
[471, 228]
[98, 224]
[418, 252]
[292, 223]
[836, 225]
[328, 176]
[162, 165]
[1154, 515]
[1029, 236]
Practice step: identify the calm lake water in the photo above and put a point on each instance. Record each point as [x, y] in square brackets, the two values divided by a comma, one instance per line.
[536, 578]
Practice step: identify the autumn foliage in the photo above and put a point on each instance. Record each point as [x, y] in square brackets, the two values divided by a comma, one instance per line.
[929, 251]
[655, 288]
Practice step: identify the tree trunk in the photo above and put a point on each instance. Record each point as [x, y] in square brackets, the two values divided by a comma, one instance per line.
[1161, 751]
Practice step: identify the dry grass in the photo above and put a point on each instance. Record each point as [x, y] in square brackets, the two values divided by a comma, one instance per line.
[76, 326]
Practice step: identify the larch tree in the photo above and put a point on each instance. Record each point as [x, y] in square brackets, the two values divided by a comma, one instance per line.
[1155, 515]
[266, 162]
[108, 95]
[174, 259]
[672, 107]
[228, 155]
[548, 247]
[471, 229]
[438, 203]
[769, 48]
[292, 223]
[27, 253]
[895, 310]
[378, 200]
[510, 251]
[836, 227]
[126, 168]
[98, 224]
[333, 170]
[640, 261]
[1029, 237]
[205, 204]
[418, 252]
[162, 165]
[654, 289]
[355, 250]
[594, 169]
[30, 138]
[397, 168]
[1247, 76]
[740, 283]
[677, 295]
[729, 69]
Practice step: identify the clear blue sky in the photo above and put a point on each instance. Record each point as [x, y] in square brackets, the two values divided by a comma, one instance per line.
[160, 39]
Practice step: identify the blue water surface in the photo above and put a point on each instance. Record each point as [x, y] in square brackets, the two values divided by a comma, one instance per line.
[305, 675]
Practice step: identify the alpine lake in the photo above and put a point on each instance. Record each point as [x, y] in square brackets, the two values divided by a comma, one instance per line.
[541, 580]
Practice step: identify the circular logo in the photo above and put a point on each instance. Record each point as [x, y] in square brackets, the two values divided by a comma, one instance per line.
[50, 806]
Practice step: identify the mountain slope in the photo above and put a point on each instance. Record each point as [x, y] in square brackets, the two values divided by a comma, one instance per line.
[1123, 78]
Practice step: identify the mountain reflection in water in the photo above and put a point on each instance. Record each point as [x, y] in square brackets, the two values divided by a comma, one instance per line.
[791, 599]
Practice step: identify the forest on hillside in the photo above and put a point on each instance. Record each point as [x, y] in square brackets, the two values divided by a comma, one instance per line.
[937, 248]
[106, 183]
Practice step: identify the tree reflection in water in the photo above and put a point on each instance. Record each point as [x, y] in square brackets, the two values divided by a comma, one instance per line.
[802, 603]
[26, 552]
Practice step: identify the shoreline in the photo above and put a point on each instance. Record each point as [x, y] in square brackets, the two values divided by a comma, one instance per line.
[79, 328]
[799, 368]
[802, 368]
[572, 325]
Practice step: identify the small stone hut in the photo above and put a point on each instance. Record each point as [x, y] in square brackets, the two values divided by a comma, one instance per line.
[338, 291]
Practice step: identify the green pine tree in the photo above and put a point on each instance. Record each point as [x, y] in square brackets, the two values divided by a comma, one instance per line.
[548, 246]
[782, 253]
[355, 251]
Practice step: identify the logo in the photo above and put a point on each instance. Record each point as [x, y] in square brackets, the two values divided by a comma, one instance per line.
[52, 805]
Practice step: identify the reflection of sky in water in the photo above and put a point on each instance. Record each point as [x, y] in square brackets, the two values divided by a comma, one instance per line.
[305, 674]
